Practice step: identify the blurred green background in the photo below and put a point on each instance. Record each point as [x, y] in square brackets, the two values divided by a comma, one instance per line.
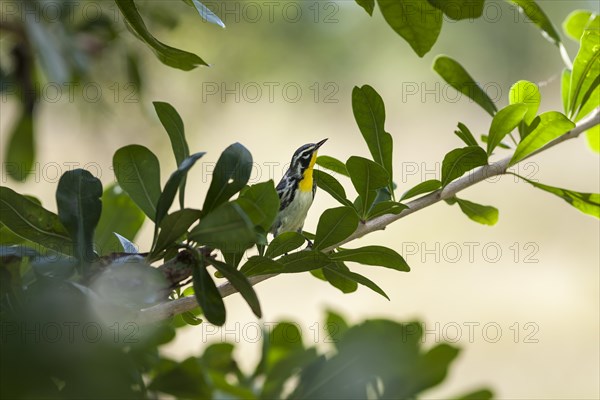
[521, 298]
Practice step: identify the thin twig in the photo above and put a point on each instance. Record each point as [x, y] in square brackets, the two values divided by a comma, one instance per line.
[169, 309]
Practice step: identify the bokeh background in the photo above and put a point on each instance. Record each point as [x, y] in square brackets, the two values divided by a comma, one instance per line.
[522, 298]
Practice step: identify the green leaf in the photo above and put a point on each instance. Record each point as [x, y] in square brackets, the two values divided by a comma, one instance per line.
[481, 394]
[119, 214]
[261, 203]
[226, 228]
[373, 255]
[173, 124]
[539, 18]
[546, 127]
[241, 283]
[565, 82]
[588, 203]
[460, 9]
[586, 68]
[502, 145]
[418, 22]
[304, 261]
[593, 137]
[465, 135]
[527, 93]
[421, 188]
[459, 161]
[173, 183]
[33, 222]
[138, 172]
[174, 226]
[335, 225]
[386, 207]
[344, 284]
[259, 265]
[334, 269]
[367, 176]
[456, 76]
[79, 207]
[167, 55]
[335, 325]
[329, 184]
[284, 243]
[486, 215]
[332, 164]
[207, 15]
[181, 380]
[369, 112]
[229, 177]
[504, 122]
[576, 22]
[20, 152]
[207, 294]
[590, 100]
[368, 5]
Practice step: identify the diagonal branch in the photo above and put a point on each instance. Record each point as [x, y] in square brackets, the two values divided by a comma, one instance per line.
[172, 308]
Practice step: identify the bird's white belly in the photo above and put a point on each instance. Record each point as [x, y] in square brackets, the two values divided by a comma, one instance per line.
[292, 218]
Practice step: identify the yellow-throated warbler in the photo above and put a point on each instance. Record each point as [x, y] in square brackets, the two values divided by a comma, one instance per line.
[296, 190]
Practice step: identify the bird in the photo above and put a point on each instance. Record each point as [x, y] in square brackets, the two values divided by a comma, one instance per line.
[296, 190]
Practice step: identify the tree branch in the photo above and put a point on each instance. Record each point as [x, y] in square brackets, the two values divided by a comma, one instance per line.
[172, 308]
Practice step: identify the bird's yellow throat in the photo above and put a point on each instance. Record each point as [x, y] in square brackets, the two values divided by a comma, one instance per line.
[306, 184]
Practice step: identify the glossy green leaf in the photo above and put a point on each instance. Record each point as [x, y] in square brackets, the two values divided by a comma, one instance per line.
[417, 21]
[226, 228]
[207, 294]
[586, 68]
[138, 172]
[304, 261]
[593, 138]
[32, 222]
[173, 183]
[368, 5]
[590, 100]
[457, 77]
[20, 152]
[369, 113]
[576, 22]
[459, 161]
[465, 135]
[241, 283]
[79, 207]
[335, 225]
[332, 164]
[504, 122]
[261, 203]
[527, 93]
[174, 226]
[207, 14]
[588, 203]
[344, 284]
[386, 207]
[258, 265]
[373, 255]
[565, 82]
[536, 15]
[422, 188]
[119, 214]
[367, 176]
[486, 215]
[546, 127]
[231, 174]
[173, 124]
[460, 9]
[329, 184]
[284, 243]
[168, 55]
[334, 269]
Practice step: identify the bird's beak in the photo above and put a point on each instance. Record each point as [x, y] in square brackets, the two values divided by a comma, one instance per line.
[320, 143]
